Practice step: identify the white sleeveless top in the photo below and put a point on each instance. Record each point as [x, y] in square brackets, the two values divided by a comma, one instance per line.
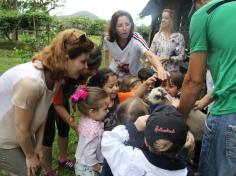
[23, 86]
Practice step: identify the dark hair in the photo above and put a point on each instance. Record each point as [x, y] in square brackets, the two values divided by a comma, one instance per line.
[130, 109]
[176, 78]
[101, 77]
[145, 73]
[95, 57]
[93, 101]
[112, 27]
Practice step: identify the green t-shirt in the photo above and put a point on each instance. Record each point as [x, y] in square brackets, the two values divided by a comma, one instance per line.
[215, 33]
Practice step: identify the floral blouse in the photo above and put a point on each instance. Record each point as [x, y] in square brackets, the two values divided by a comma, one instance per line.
[173, 47]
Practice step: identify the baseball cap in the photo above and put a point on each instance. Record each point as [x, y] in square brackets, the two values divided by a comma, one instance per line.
[165, 122]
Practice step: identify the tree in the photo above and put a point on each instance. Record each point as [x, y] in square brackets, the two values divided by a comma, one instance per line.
[42, 5]
[10, 4]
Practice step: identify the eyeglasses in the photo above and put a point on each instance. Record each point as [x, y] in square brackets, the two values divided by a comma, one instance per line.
[126, 25]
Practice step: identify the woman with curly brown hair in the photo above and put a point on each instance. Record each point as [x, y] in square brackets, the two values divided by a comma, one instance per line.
[26, 92]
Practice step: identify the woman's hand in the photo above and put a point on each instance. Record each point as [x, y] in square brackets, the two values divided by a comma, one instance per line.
[39, 151]
[32, 164]
[73, 124]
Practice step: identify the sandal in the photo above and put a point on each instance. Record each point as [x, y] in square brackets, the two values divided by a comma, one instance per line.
[67, 164]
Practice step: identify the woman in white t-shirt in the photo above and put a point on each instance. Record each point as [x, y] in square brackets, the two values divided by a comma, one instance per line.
[26, 92]
[126, 48]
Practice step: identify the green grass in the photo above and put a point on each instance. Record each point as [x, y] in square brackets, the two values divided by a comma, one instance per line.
[73, 140]
[8, 60]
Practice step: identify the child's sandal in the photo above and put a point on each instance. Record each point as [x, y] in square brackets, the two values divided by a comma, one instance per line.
[67, 164]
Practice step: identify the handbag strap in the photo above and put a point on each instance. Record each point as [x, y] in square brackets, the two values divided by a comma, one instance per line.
[212, 8]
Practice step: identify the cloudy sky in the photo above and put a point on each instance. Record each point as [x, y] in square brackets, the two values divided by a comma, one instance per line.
[105, 8]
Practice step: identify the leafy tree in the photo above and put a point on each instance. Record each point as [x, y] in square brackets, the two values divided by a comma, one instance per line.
[10, 4]
[144, 31]
[42, 5]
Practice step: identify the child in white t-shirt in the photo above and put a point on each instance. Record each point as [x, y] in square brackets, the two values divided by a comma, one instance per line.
[165, 133]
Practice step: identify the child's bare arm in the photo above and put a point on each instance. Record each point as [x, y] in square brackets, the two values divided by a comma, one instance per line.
[140, 92]
[206, 100]
[189, 144]
[140, 123]
[97, 167]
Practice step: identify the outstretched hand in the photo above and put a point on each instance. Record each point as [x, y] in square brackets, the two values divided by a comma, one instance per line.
[189, 141]
[140, 123]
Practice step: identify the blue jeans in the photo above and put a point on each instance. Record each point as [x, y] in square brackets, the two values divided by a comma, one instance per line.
[218, 153]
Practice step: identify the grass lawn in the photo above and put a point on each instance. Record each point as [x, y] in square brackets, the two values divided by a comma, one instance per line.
[8, 60]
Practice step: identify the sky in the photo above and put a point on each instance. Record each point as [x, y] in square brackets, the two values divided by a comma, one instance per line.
[105, 8]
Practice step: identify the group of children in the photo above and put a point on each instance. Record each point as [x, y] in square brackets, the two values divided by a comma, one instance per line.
[120, 135]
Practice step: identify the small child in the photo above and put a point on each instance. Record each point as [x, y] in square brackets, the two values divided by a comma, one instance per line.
[132, 86]
[145, 73]
[128, 111]
[165, 134]
[108, 81]
[93, 104]
[174, 83]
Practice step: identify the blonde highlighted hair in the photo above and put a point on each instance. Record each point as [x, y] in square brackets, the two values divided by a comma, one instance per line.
[171, 13]
[130, 109]
[71, 43]
[128, 82]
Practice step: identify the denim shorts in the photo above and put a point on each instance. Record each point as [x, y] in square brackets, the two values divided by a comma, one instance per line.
[82, 170]
[218, 152]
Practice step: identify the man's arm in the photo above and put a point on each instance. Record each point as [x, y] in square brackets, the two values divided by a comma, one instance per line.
[192, 82]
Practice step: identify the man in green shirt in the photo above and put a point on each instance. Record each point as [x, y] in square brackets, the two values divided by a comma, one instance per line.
[213, 43]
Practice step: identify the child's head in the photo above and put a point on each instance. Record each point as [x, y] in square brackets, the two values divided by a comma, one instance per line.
[166, 131]
[107, 80]
[174, 83]
[145, 73]
[92, 102]
[129, 83]
[94, 61]
[130, 109]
